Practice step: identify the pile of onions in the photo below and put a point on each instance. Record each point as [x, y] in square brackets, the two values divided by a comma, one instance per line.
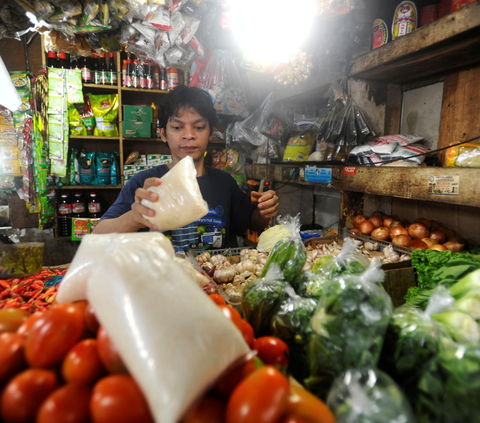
[381, 233]
[418, 231]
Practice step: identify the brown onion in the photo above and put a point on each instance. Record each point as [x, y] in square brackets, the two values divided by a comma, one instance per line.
[418, 231]
[448, 232]
[402, 240]
[395, 223]
[458, 239]
[357, 220]
[453, 246]
[438, 236]
[438, 247]
[398, 230]
[387, 221]
[430, 242]
[380, 214]
[424, 222]
[356, 230]
[418, 244]
[381, 233]
[435, 225]
[366, 227]
[377, 222]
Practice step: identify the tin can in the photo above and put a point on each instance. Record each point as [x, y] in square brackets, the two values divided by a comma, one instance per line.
[458, 4]
[380, 33]
[444, 8]
[428, 14]
[172, 78]
[404, 19]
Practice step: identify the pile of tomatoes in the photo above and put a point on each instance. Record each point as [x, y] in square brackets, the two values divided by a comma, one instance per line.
[60, 366]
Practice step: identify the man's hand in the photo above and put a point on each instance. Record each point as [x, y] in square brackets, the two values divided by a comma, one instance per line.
[138, 210]
[267, 203]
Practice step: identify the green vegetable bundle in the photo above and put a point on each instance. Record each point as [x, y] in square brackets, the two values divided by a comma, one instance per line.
[349, 324]
[292, 324]
[311, 285]
[368, 396]
[262, 298]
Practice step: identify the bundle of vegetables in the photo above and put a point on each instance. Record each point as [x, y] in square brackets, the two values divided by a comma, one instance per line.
[262, 298]
[291, 324]
[269, 238]
[368, 396]
[311, 285]
[348, 326]
[289, 254]
[449, 388]
[32, 293]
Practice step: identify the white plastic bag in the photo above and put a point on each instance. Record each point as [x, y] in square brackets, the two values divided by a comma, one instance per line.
[91, 250]
[180, 201]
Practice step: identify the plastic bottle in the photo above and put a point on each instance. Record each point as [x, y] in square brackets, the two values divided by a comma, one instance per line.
[52, 61]
[78, 205]
[128, 77]
[172, 78]
[86, 73]
[163, 79]
[62, 60]
[156, 77]
[124, 73]
[142, 75]
[94, 206]
[150, 80]
[135, 75]
[112, 70]
[64, 219]
[96, 70]
[103, 70]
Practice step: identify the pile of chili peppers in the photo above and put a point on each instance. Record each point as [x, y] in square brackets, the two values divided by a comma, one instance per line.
[32, 293]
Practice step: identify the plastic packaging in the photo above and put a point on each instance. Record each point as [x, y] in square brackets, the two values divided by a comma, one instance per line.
[180, 201]
[349, 325]
[405, 19]
[105, 110]
[143, 297]
[268, 238]
[368, 395]
[465, 155]
[74, 283]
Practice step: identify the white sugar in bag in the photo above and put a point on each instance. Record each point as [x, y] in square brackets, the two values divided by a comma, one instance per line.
[91, 251]
[180, 201]
[172, 337]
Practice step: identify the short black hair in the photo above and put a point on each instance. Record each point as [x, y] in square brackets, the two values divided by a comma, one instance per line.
[184, 97]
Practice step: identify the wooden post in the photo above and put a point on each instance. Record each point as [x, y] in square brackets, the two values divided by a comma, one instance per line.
[351, 204]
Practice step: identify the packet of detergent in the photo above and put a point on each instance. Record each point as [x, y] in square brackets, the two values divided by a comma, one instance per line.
[103, 165]
[86, 162]
[105, 110]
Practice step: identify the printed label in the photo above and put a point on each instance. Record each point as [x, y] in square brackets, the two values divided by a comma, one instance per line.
[65, 209]
[78, 208]
[349, 170]
[320, 175]
[94, 207]
[380, 33]
[443, 185]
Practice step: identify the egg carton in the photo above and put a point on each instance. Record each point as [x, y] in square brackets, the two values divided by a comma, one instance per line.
[382, 244]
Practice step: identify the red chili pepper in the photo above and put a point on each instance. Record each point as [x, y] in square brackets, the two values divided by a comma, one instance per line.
[4, 284]
[4, 294]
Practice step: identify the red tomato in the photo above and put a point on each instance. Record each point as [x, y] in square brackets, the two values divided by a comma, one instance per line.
[209, 410]
[11, 319]
[233, 315]
[117, 398]
[308, 407]
[24, 394]
[91, 320]
[12, 357]
[52, 336]
[26, 326]
[217, 299]
[260, 398]
[232, 377]
[293, 419]
[272, 351]
[108, 353]
[82, 364]
[248, 333]
[68, 404]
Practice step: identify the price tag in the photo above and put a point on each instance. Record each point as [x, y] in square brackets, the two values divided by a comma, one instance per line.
[443, 185]
[317, 174]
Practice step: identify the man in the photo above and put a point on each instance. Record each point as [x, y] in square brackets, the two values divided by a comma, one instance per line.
[187, 118]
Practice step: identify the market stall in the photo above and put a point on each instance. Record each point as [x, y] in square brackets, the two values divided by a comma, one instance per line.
[357, 302]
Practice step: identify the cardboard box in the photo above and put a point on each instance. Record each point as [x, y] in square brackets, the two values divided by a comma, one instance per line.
[138, 113]
[140, 168]
[158, 159]
[141, 160]
[137, 129]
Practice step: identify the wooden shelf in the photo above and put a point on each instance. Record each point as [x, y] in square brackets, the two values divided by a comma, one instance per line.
[91, 137]
[410, 183]
[72, 187]
[449, 43]
[141, 90]
[142, 139]
[101, 86]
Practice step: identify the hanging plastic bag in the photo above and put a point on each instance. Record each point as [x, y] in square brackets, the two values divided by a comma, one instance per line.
[224, 85]
[180, 201]
[142, 306]
[349, 325]
[291, 323]
[368, 395]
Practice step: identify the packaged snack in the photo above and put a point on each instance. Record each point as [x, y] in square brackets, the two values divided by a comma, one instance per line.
[80, 228]
[103, 167]
[299, 147]
[86, 113]
[74, 86]
[114, 171]
[465, 155]
[75, 122]
[105, 110]
[86, 162]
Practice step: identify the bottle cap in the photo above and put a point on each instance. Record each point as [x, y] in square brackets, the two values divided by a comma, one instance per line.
[93, 194]
[52, 54]
[62, 55]
[112, 54]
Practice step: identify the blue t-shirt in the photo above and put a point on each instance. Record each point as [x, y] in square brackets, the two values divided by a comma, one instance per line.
[229, 209]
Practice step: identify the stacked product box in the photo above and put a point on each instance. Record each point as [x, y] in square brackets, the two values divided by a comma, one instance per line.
[144, 162]
[137, 121]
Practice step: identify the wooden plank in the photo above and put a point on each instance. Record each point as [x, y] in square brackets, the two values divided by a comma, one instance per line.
[397, 282]
[460, 109]
[440, 46]
[351, 205]
[393, 109]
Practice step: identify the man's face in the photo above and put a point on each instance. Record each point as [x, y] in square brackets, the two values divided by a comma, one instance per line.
[187, 134]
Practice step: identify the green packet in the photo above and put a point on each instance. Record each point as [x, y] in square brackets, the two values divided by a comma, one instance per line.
[105, 110]
[59, 167]
[75, 122]
[74, 87]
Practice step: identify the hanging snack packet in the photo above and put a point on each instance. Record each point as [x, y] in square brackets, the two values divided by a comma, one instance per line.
[74, 86]
[86, 163]
[105, 110]
[103, 166]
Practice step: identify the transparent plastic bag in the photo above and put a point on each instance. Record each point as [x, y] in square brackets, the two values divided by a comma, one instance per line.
[261, 299]
[224, 85]
[349, 325]
[180, 201]
[465, 155]
[368, 396]
[143, 297]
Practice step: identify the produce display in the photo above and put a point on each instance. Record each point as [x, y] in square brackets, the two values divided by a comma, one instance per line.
[422, 234]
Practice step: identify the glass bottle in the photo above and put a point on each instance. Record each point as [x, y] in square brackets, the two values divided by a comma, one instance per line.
[86, 74]
[64, 217]
[78, 206]
[112, 70]
[94, 206]
[103, 70]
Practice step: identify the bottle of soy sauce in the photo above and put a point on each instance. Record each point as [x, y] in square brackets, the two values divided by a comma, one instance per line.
[94, 206]
[86, 73]
[64, 216]
[78, 206]
[52, 61]
[112, 70]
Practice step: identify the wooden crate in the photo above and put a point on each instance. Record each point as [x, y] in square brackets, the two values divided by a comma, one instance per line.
[397, 282]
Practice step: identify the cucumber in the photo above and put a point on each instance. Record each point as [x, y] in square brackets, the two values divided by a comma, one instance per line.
[290, 255]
